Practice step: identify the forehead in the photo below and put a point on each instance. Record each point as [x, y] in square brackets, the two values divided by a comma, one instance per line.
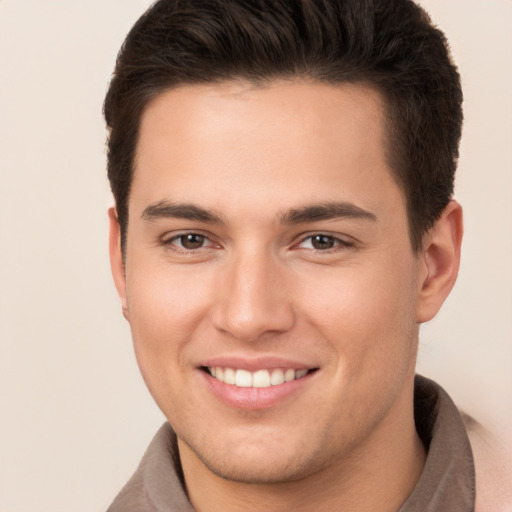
[235, 144]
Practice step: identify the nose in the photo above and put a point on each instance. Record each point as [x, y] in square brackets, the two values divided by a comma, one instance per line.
[253, 299]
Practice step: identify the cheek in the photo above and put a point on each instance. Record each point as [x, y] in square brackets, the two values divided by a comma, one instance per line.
[367, 315]
[165, 309]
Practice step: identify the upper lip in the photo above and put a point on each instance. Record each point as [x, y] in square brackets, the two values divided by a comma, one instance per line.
[253, 364]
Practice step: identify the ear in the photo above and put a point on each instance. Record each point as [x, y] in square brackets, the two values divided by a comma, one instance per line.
[440, 258]
[116, 259]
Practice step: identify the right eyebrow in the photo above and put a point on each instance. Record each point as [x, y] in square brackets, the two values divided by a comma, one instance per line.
[165, 209]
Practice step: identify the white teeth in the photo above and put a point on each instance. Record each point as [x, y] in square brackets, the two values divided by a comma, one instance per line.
[258, 379]
[229, 376]
[243, 379]
[261, 379]
[289, 375]
[276, 377]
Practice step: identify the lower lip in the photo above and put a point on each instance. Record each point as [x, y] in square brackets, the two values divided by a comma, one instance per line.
[254, 398]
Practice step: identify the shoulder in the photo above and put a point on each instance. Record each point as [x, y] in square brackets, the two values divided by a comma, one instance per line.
[133, 497]
[156, 485]
[493, 468]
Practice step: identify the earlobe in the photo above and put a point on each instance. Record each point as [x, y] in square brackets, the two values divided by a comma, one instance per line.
[441, 259]
[116, 260]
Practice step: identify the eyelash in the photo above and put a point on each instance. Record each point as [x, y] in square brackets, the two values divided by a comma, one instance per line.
[338, 243]
[171, 242]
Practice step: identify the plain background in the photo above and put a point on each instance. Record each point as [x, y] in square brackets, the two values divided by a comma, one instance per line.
[75, 414]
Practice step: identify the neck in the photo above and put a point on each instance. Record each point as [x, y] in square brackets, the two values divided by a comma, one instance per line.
[376, 476]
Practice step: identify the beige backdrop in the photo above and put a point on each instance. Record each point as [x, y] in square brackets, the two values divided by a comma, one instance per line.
[75, 415]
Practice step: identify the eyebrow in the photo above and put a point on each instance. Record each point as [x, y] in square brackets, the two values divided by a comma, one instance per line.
[310, 213]
[326, 211]
[165, 210]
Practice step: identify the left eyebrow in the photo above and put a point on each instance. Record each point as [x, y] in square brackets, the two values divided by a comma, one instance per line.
[326, 211]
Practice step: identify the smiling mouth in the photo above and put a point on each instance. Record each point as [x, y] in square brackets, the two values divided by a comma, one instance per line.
[259, 379]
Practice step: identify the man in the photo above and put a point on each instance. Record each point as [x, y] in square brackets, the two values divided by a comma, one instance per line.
[283, 173]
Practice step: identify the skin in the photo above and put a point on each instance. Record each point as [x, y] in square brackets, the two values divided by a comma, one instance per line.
[256, 286]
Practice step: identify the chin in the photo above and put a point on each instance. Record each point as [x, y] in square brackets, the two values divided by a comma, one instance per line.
[260, 471]
[261, 462]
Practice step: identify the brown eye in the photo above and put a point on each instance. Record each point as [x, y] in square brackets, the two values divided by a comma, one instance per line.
[323, 242]
[191, 241]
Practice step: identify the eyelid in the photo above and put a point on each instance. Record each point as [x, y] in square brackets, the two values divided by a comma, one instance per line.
[169, 238]
[341, 241]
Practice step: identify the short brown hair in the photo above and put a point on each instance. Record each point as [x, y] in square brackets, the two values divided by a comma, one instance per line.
[389, 45]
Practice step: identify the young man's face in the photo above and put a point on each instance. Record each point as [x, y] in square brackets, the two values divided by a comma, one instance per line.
[268, 241]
